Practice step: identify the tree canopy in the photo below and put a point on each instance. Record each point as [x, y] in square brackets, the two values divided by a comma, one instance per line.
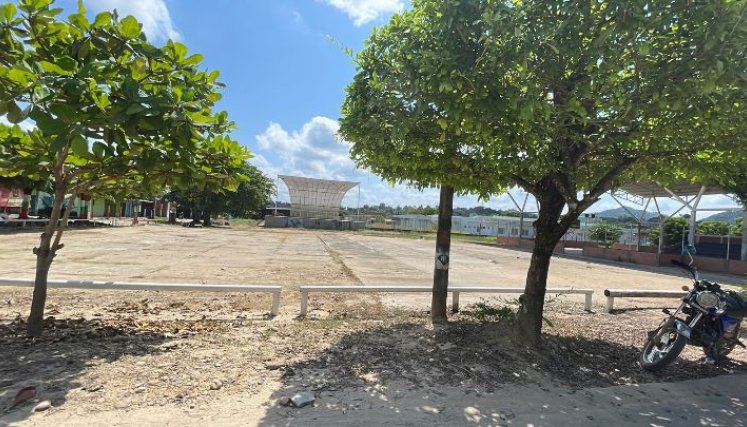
[248, 200]
[563, 98]
[108, 109]
[605, 232]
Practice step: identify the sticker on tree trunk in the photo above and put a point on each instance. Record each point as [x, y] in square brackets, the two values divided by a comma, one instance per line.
[442, 260]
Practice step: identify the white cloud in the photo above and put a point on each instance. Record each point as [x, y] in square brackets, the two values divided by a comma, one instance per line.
[365, 11]
[153, 14]
[314, 151]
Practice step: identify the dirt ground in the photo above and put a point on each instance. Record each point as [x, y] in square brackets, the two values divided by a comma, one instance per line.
[165, 358]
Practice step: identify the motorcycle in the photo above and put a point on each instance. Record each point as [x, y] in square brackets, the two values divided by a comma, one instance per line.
[709, 317]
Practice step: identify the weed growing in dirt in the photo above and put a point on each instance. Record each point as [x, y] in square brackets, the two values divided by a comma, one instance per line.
[484, 312]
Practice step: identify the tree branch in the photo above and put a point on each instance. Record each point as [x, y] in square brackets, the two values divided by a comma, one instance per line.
[523, 183]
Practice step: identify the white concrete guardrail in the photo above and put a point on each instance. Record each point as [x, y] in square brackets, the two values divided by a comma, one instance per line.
[23, 222]
[130, 286]
[456, 291]
[611, 294]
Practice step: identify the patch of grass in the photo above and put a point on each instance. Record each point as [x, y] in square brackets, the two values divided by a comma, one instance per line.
[243, 223]
[472, 238]
[483, 312]
[430, 235]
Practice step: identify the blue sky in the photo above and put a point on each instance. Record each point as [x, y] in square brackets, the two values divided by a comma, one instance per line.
[284, 65]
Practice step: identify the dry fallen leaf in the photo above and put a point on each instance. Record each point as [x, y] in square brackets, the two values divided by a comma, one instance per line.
[24, 395]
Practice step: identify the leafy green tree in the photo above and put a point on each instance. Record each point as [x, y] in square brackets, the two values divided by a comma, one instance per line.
[726, 167]
[108, 107]
[738, 228]
[734, 178]
[399, 126]
[560, 97]
[251, 196]
[713, 228]
[674, 230]
[605, 232]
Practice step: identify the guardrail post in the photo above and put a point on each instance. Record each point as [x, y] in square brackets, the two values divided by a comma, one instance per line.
[587, 301]
[455, 302]
[275, 303]
[610, 304]
[304, 302]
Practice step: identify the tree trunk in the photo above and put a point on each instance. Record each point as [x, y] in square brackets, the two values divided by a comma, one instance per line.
[443, 246]
[43, 263]
[45, 254]
[744, 232]
[207, 214]
[548, 234]
[207, 217]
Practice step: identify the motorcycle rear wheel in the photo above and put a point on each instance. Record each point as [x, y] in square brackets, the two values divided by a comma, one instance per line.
[656, 355]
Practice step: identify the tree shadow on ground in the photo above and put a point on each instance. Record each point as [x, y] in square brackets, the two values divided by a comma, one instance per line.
[467, 373]
[54, 363]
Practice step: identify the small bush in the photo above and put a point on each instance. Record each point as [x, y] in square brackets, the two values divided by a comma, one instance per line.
[483, 312]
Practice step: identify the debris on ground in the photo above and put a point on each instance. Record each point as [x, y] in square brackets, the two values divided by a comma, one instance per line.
[42, 406]
[304, 398]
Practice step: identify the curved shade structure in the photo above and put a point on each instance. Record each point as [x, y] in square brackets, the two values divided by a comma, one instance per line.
[316, 198]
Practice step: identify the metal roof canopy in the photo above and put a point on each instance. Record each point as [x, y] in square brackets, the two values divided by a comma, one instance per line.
[311, 197]
[680, 189]
[686, 193]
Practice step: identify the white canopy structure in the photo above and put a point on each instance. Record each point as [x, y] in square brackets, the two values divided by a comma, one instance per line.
[686, 193]
[316, 198]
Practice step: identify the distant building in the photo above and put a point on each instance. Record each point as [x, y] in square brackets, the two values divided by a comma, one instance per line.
[508, 226]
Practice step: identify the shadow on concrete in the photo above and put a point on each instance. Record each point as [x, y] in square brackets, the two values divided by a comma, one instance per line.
[53, 363]
[475, 374]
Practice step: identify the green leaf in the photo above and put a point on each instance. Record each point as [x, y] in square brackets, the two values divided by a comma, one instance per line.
[99, 149]
[80, 21]
[8, 12]
[193, 60]
[102, 20]
[15, 114]
[84, 49]
[102, 101]
[129, 27]
[58, 143]
[46, 123]
[64, 112]
[135, 108]
[178, 50]
[79, 146]
[20, 76]
[53, 68]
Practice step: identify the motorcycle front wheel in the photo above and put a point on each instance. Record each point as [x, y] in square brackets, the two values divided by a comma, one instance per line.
[659, 352]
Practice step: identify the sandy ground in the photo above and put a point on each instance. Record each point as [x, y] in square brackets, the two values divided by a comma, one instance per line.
[155, 358]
